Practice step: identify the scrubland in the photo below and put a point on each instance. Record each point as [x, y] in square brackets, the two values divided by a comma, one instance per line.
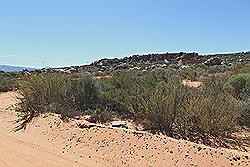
[156, 102]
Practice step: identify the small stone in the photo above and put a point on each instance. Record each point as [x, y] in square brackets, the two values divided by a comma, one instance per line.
[199, 148]
[120, 124]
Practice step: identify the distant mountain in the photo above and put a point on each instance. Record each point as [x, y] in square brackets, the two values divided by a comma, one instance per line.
[7, 68]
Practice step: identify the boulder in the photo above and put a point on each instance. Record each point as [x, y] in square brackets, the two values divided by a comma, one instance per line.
[214, 61]
[121, 66]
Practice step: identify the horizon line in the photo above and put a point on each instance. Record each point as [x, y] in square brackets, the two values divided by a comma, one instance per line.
[145, 53]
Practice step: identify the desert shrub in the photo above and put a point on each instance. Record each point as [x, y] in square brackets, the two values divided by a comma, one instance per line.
[43, 93]
[212, 112]
[55, 93]
[4, 84]
[240, 68]
[85, 92]
[183, 112]
[125, 86]
[151, 98]
[101, 115]
[160, 109]
[154, 99]
[7, 83]
[115, 91]
[241, 84]
[189, 73]
[216, 69]
[121, 85]
[161, 104]
[245, 115]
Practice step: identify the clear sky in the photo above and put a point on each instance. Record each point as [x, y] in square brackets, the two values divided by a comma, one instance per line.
[74, 32]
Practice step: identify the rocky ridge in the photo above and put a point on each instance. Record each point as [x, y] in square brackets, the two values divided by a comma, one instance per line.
[156, 61]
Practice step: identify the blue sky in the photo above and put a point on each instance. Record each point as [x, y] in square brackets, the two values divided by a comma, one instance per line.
[74, 32]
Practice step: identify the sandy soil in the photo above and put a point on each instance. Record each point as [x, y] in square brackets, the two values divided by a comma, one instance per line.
[24, 149]
[50, 142]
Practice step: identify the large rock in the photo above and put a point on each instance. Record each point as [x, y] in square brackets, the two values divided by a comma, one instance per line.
[121, 66]
[214, 61]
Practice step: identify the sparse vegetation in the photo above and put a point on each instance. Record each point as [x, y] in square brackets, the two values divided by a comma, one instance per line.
[241, 85]
[211, 113]
[8, 82]
[154, 99]
[55, 93]
[4, 84]
[162, 104]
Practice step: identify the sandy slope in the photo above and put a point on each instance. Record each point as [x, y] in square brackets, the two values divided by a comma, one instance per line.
[50, 142]
[16, 151]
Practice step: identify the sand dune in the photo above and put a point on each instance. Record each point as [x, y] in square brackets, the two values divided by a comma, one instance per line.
[50, 142]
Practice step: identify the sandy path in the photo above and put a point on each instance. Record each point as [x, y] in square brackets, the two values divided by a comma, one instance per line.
[15, 151]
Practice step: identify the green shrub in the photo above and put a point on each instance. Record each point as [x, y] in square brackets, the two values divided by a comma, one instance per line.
[101, 115]
[43, 93]
[212, 112]
[146, 95]
[189, 73]
[55, 93]
[85, 92]
[156, 100]
[7, 83]
[122, 90]
[241, 84]
[161, 104]
[160, 110]
[245, 116]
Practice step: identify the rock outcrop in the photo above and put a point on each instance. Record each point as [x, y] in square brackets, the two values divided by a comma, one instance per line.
[153, 61]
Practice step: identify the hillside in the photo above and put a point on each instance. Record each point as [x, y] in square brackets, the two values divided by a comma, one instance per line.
[157, 61]
[7, 68]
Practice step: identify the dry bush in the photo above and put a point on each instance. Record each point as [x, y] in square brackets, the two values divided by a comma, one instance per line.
[40, 94]
[161, 104]
[160, 110]
[241, 85]
[189, 74]
[211, 112]
[55, 93]
[125, 86]
[7, 83]
[101, 115]
[154, 99]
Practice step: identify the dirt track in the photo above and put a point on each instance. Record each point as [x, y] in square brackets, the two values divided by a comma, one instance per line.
[16, 152]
